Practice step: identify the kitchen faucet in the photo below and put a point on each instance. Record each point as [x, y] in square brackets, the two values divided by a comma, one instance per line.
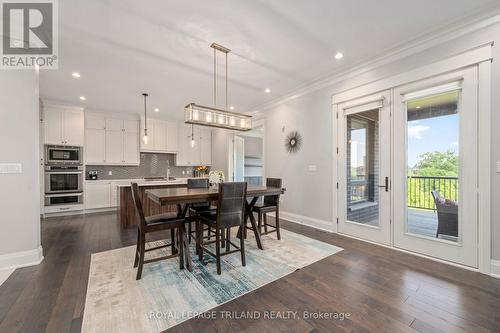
[168, 170]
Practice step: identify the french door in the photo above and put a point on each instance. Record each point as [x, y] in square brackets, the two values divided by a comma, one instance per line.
[435, 175]
[364, 136]
[407, 167]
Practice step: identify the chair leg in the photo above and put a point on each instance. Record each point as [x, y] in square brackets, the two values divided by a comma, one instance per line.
[197, 235]
[265, 222]
[136, 261]
[172, 238]
[141, 256]
[217, 251]
[242, 249]
[228, 238]
[180, 235]
[259, 223]
[223, 238]
[189, 232]
[278, 223]
[200, 242]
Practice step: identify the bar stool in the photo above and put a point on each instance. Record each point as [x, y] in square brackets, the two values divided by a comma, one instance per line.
[271, 204]
[230, 213]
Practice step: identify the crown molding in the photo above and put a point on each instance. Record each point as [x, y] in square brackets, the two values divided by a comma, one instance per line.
[388, 56]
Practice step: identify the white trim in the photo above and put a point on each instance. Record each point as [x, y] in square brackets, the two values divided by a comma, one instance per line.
[465, 59]
[495, 268]
[306, 220]
[444, 88]
[484, 170]
[388, 56]
[21, 259]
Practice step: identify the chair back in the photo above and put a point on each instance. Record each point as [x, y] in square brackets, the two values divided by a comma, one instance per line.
[231, 204]
[197, 183]
[272, 199]
[138, 206]
[436, 196]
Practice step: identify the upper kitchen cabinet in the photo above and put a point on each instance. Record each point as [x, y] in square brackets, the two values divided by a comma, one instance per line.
[111, 140]
[162, 136]
[63, 125]
[200, 153]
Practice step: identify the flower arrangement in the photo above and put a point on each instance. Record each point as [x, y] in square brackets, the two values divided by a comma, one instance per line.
[216, 177]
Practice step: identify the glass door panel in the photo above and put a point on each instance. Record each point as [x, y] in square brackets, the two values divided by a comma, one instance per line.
[435, 167]
[362, 167]
[363, 195]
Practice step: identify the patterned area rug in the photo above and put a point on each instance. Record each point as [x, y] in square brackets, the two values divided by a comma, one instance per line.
[167, 296]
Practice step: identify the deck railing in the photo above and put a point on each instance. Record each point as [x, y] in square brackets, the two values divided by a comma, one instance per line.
[420, 187]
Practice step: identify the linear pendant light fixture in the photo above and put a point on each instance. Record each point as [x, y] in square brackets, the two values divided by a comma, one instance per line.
[212, 116]
[145, 138]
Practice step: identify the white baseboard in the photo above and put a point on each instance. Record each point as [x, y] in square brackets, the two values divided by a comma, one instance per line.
[21, 259]
[306, 220]
[495, 268]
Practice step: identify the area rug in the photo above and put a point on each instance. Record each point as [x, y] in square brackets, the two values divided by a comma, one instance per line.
[167, 296]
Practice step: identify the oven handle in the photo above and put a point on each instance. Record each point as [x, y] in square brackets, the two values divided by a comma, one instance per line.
[64, 195]
[65, 173]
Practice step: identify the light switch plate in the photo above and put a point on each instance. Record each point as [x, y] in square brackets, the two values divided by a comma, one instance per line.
[11, 168]
[110, 173]
[313, 168]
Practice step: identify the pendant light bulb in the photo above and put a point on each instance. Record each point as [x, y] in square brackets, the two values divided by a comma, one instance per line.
[145, 138]
[192, 136]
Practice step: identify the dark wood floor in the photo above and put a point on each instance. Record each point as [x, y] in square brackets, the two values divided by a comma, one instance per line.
[381, 289]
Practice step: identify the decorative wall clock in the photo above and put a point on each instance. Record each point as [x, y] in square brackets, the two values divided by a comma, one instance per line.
[293, 142]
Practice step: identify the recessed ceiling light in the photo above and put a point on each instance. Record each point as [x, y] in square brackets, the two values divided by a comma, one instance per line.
[418, 106]
[75, 75]
[83, 98]
[267, 90]
[157, 110]
[231, 107]
[339, 55]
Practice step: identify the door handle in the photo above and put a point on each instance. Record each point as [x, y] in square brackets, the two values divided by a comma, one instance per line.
[386, 184]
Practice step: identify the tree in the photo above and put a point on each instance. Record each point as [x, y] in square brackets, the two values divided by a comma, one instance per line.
[436, 163]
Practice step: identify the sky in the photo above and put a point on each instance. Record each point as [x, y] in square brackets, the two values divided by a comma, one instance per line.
[432, 134]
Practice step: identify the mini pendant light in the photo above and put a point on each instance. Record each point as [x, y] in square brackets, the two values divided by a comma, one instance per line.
[216, 117]
[145, 138]
[192, 136]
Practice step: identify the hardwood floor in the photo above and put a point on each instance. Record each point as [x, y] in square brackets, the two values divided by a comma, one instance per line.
[382, 290]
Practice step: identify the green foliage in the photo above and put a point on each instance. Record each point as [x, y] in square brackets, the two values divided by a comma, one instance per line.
[434, 165]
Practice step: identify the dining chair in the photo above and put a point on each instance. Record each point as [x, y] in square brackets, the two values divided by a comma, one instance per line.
[155, 223]
[199, 207]
[271, 203]
[230, 213]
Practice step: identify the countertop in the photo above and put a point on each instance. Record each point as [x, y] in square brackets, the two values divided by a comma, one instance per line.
[140, 182]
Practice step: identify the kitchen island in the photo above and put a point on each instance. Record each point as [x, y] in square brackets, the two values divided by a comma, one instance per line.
[126, 210]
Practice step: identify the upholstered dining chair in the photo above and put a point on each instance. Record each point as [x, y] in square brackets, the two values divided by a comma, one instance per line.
[230, 213]
[270, 204]
[196, 208]
[156, 223]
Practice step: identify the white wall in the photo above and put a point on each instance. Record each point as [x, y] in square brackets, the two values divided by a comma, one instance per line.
[19, 193]
[309, 194]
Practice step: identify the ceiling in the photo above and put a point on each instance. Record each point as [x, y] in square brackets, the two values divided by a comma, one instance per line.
[122, 48]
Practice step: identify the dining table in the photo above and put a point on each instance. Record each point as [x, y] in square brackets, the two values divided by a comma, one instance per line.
[182, 197]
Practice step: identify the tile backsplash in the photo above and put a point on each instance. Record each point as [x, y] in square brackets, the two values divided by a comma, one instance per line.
[152, 165]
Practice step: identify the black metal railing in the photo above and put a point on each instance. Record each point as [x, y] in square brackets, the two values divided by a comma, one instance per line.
[420, 187]
[358, 190]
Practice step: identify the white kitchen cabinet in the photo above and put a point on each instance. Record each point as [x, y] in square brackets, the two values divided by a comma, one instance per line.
[201, 153]
[95, 146]
[114, 147]
[111, 141]
[206, 146]
[171, 137]
[159, 135]
[97, 195]
[63, 126]
[162, 136]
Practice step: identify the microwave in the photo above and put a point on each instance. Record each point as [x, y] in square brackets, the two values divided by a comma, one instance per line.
[56, 155]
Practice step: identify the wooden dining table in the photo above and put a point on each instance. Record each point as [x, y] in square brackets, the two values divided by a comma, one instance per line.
[182, 197]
